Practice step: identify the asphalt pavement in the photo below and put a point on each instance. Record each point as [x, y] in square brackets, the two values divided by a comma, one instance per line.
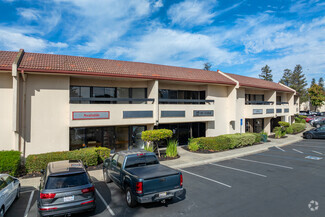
[282, 181]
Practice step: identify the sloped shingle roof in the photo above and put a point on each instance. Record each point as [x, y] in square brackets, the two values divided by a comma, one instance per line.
[6, 59]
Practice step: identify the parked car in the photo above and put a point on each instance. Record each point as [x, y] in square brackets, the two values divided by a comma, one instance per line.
[310, 118]
[9, 191]
[317, 133]
[319, 123]
[65, 188]
[318, 118]
[143, 179]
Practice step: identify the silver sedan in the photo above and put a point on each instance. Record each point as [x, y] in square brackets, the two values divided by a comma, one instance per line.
[9, 191]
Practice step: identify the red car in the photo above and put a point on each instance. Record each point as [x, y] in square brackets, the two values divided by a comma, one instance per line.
[309, 118]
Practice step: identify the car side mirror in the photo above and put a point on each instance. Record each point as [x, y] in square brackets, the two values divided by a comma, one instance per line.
[42, 171]
[107, 162]
[86, 166]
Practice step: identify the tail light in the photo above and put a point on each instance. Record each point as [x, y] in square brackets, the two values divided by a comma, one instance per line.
[181, 180]
[139, 187]
[91, 201]
[47, 209]
[87, 190]
[47, 196]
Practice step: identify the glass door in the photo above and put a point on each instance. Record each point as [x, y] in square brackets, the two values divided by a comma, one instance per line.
[135, 137]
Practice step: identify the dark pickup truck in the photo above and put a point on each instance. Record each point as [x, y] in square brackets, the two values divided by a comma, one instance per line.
[143, 179]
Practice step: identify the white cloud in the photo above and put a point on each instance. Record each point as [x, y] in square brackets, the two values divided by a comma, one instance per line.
[29, 14]
[171, 47]
[13, 39]
[192, 12]
[158, 4]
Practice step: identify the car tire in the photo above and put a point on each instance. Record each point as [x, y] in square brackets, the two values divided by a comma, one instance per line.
[309, 136]
[107, 179]
[18, 192]
[2, 212]
[129, 198]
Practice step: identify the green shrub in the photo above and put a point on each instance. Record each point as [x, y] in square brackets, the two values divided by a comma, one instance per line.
[36, 162]
[10, 162]
[156, 135]
[298, 127]
[280, 133]
[275, 129]
[284, 124]
[302, 116]
[171, 150]
[300, 120]
[192, 145]
[289, 130]
[224, 142]
[102, 153]
[148, 148]
[258, 137]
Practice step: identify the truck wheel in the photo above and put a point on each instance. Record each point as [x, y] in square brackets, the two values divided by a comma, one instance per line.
[318, 126]
[130, 199]
[107, 179]
[309, 136]
[2, 211]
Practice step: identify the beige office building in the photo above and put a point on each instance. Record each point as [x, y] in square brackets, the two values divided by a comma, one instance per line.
[59, 103]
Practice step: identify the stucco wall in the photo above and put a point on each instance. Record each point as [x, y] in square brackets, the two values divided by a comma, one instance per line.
[6, 108]
[47, 114]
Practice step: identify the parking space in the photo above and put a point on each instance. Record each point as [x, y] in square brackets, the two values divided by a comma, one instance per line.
[272, 183]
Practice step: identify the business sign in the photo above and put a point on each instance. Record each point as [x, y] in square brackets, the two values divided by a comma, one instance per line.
[257, 111]
[241, 122]
[90, 115]
[201, 113]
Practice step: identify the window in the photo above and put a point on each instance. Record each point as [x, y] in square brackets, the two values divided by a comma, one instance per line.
[138, 93]
[123, 93]
[67, 181]
[181, 95]
[120, 161]
[3, 184]
[114, 160]
[8, 179]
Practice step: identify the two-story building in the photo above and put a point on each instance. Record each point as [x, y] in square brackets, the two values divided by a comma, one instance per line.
[58, 103]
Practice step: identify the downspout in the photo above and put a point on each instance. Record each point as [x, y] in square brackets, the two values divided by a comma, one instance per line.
[15, 88]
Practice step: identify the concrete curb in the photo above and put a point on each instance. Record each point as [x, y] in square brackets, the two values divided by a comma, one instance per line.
[257, 150]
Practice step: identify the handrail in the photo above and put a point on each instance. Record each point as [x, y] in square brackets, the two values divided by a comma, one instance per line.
[187, 100]
[259, 102]
[93, 99]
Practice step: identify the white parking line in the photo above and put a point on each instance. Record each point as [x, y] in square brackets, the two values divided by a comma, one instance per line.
[245, 171]
[28, 204]
[317, 152]
[297, 151]
[107, 206]
[279, 148]
[308, 146]
[254, 161]
[205, 178]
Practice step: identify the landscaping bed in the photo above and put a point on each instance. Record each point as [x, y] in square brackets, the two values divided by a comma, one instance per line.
[224, 142]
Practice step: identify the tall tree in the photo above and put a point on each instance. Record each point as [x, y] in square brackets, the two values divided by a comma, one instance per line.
[313, 81]
[207, 66]
[321, 82]
[286, 77]
[299, 83]
[316, 95]
[266, 73]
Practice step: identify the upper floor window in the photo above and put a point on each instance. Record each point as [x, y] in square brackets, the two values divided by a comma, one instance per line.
[181, 96]
[107, 95]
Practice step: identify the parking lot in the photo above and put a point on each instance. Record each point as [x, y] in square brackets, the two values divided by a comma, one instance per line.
[286, 181]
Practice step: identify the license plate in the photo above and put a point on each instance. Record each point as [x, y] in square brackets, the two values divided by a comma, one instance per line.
[67, 199]
[163, 194]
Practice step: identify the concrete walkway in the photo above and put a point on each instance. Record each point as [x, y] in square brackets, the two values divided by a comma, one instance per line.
[188, 159]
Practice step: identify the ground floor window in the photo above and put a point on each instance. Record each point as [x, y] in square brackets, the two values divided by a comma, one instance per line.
[254, 125]
[183, 131]
[116, 138]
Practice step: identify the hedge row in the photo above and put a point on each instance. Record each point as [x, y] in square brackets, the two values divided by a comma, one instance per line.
[223, 142]
[9, 162]
[89, 156]
[298, 127]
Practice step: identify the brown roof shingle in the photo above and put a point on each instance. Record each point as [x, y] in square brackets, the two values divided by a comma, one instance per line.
[258, 83]
[6, 59]
[104, 67]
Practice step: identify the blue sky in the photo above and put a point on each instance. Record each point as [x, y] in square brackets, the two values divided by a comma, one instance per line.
[235, 36]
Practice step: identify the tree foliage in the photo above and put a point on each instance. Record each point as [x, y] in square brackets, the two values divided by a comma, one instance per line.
[313, 81]
[207, 66]
[316, 95]
[298, 82]
[266, 73]
[286, 78]
[321, 82]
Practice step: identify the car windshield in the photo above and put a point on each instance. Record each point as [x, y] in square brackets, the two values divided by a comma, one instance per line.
[142, 160]
[67, 181]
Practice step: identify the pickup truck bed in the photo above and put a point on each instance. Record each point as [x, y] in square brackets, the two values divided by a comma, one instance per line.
[152, 171]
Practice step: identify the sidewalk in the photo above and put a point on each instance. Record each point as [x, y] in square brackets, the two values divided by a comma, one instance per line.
[189, 159]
